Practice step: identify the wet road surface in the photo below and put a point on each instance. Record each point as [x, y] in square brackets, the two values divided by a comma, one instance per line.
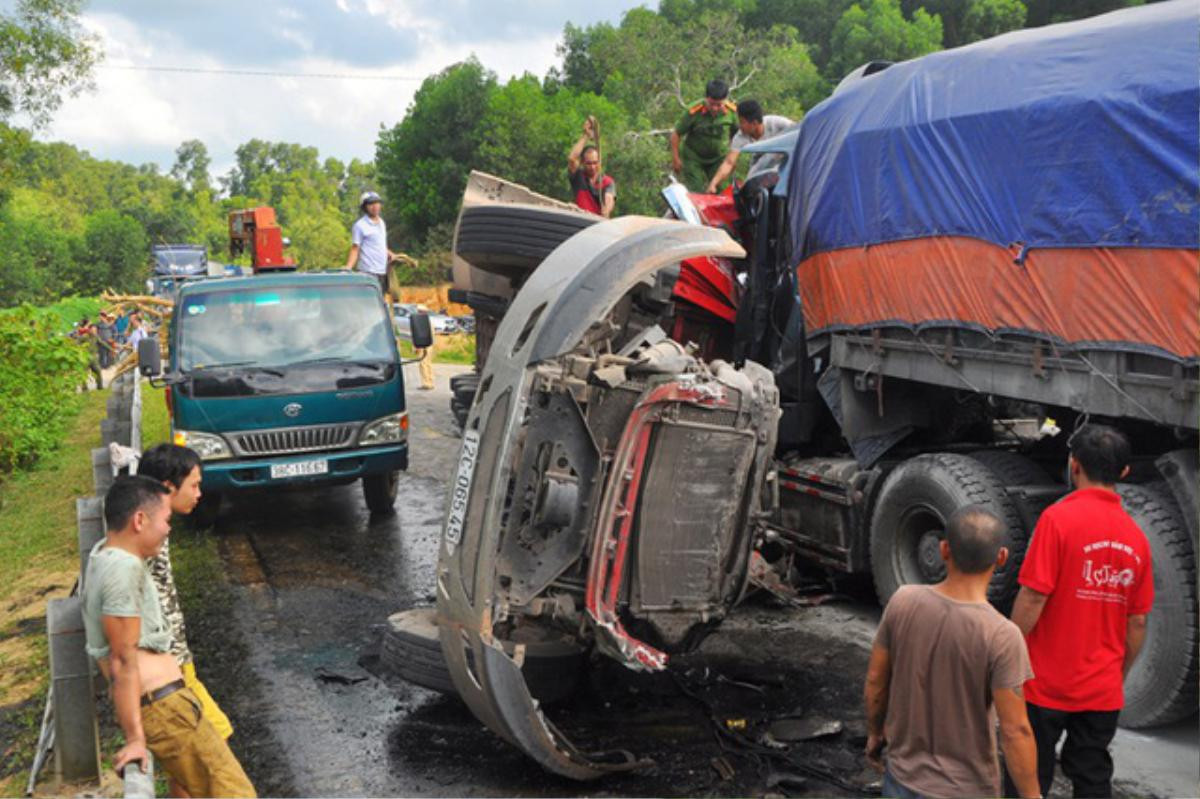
[314, 579]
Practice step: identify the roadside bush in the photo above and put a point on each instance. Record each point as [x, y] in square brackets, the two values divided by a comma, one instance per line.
[40, 372]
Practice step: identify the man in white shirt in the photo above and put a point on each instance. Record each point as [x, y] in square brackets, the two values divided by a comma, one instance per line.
[752, 126]
[369, 249]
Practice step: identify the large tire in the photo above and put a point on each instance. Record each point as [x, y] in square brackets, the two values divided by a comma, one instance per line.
[412, 649]
[512, 239]
[1162, 685]
[1013, 468]
[910, 519]
[380, 492]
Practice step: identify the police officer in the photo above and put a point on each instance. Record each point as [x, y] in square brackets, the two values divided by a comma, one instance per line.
[704, 132]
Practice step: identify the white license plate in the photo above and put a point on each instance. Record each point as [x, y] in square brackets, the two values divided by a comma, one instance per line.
[298, 469]
[460, 489]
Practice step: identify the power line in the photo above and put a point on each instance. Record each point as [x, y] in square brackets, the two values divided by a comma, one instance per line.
[257, 73]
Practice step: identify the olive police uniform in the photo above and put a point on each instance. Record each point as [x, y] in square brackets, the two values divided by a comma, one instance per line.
[704, 142]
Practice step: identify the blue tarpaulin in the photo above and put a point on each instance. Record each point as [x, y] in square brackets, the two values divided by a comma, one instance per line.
[1074, 135]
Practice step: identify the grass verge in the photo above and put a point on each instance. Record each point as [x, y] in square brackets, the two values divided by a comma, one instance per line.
[39, 558]
[457, 348]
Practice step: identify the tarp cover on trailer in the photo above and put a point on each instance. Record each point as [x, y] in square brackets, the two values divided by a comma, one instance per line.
[1006, 184]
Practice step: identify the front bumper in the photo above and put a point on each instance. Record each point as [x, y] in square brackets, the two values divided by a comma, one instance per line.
[344, 466]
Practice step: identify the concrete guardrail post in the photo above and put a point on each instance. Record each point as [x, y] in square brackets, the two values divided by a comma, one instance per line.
[89, 513]
[76, 732]
[102, 473]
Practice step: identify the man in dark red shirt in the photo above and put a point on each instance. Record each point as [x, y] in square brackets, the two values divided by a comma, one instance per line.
[1086, 587]
[590, 190]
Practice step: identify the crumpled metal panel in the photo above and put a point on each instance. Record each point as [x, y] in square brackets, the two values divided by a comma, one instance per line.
[576, 285]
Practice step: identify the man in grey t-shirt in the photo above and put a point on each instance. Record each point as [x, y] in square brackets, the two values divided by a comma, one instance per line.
[753, 125]
[369, 242]
[944, 665]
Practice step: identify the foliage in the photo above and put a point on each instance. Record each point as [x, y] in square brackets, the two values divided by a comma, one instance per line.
[114, 252]
[877, 30]
[43, 55]
[987, 18]
[423, 162]
[40, 370]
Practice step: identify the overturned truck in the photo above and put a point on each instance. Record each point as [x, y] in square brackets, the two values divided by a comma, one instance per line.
[908, 305]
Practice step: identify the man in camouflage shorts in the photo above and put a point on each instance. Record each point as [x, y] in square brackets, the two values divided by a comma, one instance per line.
[178, 468]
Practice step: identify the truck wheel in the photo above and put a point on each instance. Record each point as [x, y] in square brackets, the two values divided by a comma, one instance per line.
[910, 516]
[380, 492]
[1012, 468]
[1162, 685]
[512, 239]
[204, 515]
[412, 649]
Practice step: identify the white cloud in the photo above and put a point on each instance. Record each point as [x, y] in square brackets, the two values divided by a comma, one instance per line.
[141, 116]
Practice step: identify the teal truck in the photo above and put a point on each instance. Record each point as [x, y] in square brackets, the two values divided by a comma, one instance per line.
[286, 378]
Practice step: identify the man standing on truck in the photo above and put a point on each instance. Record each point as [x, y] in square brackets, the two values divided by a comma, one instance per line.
[701, 137]
[129, 639]
[753, 125]
[591, 190]
[1086, 587]
[943, 659]
[368, 249]
[178, 469]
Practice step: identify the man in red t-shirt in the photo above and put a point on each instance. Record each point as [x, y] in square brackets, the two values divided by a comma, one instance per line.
[1086, 587]
[590, 190]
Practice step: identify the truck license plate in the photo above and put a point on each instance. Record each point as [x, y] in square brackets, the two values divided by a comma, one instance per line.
[460, 489]
[298, 469]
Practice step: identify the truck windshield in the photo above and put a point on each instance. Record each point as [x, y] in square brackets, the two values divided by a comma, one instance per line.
[282, 326]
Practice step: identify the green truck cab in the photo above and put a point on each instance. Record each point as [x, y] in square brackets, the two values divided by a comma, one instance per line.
[283, 379]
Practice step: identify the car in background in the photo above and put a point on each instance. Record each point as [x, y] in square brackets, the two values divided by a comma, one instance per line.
[403, 312]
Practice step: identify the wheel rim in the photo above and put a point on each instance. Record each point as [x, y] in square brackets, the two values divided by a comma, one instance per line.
[918, 555]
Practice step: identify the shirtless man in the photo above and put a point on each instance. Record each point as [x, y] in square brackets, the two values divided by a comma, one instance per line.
[130, 641]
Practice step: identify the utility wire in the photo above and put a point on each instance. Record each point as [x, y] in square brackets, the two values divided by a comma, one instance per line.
[257, 73]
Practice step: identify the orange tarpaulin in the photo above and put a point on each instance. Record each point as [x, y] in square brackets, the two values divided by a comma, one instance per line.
[1145, 297]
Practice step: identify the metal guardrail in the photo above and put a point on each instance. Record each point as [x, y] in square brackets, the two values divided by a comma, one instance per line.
[69, 724]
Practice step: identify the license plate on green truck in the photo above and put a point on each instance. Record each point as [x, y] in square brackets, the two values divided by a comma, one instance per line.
[281, 471]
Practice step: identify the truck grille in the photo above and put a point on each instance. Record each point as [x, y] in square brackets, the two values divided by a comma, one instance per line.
[294, 439]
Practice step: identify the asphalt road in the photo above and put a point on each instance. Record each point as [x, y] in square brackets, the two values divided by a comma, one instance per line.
[314, 579]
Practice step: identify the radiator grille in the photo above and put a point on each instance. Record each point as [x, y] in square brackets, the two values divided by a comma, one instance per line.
[294, 439]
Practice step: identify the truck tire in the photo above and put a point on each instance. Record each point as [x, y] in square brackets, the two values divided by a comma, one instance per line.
[412, 649]
[380, 492]
[910, 517]
[1162, 685]
[204, 515]
[1013, 468]
[512, 239]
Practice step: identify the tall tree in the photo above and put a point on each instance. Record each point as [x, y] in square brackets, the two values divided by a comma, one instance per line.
[116, 254]
[987, 18]
[423, 162]
[877, 30]
[191, 165]
[44, 54]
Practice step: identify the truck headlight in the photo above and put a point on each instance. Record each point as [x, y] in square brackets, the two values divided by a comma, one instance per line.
[208, 446]
[386, 430]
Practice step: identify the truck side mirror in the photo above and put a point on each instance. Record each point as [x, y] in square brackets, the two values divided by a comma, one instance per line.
[149, 357]
[421, 330]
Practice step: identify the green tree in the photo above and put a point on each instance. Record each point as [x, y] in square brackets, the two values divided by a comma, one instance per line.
[115, 254]
[1044, 12]
[423, 162]
[191, 165]
[987, 18]
[813, 20]
[877, 30]
[44, 54]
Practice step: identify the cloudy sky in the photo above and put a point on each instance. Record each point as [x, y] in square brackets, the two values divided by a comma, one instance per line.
[140, 115]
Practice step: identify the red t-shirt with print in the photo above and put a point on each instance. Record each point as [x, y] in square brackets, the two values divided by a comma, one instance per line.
[1093, 561]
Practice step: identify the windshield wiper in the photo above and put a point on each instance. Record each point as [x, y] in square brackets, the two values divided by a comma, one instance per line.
[372, 363]
[232, 364]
